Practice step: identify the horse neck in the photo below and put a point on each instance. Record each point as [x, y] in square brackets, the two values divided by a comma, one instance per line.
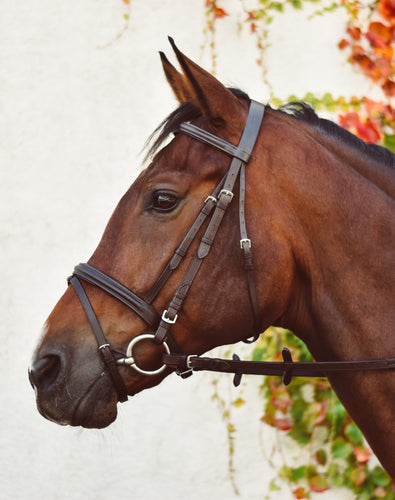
[340, 228]
[339, 223]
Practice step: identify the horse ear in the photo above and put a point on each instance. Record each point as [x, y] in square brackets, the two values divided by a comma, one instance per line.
[202, 88]
[176, 81]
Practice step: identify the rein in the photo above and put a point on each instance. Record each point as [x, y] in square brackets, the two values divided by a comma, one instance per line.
[213, 209]
[286, 368]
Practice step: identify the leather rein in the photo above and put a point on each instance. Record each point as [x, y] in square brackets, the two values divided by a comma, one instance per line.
[215, 207]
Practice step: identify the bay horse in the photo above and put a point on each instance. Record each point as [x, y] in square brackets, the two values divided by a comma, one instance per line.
[315, 205]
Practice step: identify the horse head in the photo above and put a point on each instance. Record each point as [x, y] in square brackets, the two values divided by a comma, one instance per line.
[72, 384]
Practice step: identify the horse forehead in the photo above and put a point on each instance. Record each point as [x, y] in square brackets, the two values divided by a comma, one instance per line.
[177, 155]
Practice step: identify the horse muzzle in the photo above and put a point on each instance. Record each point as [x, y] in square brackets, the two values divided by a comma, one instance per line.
[87, 400]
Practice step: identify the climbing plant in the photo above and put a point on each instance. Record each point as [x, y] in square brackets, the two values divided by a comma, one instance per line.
[368, 45]
[309, 412]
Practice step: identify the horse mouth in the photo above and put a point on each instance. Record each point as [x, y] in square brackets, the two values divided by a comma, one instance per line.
[97, 407]
[93, 406]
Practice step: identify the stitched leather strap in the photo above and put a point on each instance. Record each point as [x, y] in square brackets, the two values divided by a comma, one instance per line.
[114, 288]
[104, 347]
[182, 249]
[246, 247]
[287, 368]
[215, 141]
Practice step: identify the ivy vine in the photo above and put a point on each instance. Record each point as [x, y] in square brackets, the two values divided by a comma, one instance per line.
[368, 45]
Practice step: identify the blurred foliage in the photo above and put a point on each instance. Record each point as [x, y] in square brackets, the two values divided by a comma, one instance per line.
[368, 43]
[309, 412]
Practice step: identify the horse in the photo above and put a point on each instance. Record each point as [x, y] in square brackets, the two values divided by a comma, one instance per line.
[188, 263]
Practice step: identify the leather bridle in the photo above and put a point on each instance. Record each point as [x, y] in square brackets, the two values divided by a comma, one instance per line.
[213, 210]
[215, 206]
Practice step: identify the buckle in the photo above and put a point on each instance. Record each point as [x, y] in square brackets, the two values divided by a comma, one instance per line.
[189, 371]
[245, 240]
[103, 346]
[168, 320]
[226, 192]
[188, 361]
[212, 198]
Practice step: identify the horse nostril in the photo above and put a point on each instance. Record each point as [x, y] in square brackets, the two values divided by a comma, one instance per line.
[45, 371]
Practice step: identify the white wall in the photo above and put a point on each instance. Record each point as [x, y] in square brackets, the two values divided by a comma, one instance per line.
[77, 102]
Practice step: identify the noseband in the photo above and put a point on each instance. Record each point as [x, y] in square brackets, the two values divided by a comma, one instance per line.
[215, 206]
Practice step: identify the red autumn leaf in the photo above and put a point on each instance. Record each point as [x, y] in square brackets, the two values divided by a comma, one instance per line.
[349, 120]
[360, 58]
[367, 65]
[283, 424]
[362, 454]
[375, 40]
[368, 131]
[251, 15]
[389, 88]
[281, 400]
[300, 493]
[219, 13]
[384, 66]
[343, 44]
[387, 9]
[386, 52]
[375, 109]
[381, 31]
[354, 32]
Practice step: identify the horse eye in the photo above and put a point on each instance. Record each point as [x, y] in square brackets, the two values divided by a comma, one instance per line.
[164, 202]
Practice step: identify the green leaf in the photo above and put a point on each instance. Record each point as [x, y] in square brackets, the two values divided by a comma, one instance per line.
[258, 354]
[298, 473]
[341, 449]
[380, 477]
[321, 456]
[285, 472]
[300, 434]
[297, 410]
[273, 486]
[389, 142]
[278, 6]
[352, 432]
[336, 476]
[320, 435]
[238, 402]
[296, 4]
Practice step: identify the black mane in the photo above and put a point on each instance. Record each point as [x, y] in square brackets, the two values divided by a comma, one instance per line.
[299, 110]
[305, 113]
